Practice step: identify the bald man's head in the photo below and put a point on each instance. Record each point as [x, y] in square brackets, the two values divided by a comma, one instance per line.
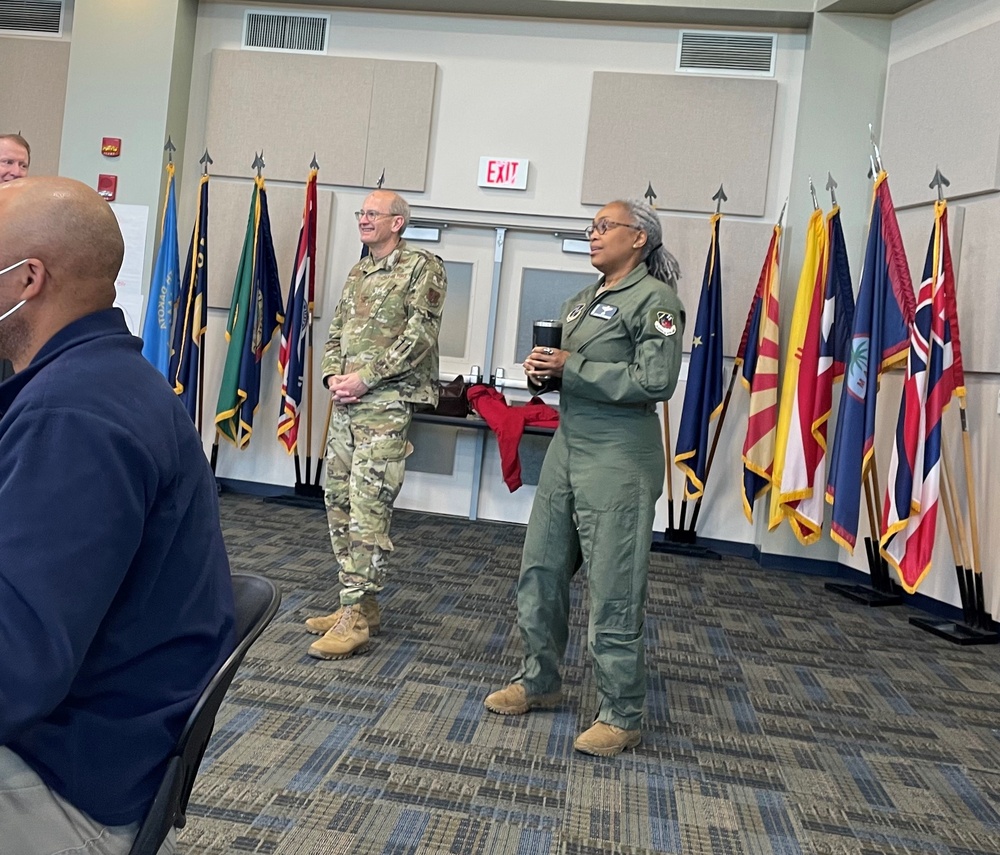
[72, 247]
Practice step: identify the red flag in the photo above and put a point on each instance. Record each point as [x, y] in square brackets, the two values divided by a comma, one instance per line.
[909, 514]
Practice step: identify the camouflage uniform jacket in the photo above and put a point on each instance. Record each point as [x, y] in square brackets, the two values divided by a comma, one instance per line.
[387, 323]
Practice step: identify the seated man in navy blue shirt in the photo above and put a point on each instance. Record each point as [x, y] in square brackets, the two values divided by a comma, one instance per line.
[116, 604]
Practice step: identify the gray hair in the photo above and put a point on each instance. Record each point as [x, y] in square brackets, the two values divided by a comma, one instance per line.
[399, 207]
[659, 261]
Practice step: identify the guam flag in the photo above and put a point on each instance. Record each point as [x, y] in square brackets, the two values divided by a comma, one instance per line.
[295, 329]
[909, 514]
[879, 338]
[157, 328]
[254, 315]
[703, 393]
[758, 356]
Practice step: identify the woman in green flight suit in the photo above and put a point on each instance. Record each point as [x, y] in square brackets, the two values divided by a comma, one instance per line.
[602, 475]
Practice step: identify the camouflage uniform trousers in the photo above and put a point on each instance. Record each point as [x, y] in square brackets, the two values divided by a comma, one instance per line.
[365, 457]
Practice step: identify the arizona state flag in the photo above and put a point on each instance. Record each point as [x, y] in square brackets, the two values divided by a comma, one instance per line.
[703, 393]
[192, 314]
[294, 330]
[254, 315]
[157, 328]
[909, 514]
[879, 339]
[758, 356]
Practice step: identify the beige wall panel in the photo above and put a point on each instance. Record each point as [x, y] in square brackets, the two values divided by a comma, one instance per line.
[400, 125]
[289, 106]
[940, 110]
[687, 135]
[229, 207]
[33, 97]
[742, 245]
[978, 285]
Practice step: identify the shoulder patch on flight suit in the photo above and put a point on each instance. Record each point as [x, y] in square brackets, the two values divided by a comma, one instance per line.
[575, 312]
[433, 296]
[603, 311]
[665, 323]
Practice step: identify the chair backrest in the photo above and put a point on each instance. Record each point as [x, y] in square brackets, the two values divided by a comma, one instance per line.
[257, 600]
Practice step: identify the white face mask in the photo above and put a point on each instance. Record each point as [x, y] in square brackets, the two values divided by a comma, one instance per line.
[17, 306]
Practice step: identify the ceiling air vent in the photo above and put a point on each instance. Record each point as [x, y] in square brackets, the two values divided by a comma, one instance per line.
[713, 52]
[299, 32]
[31, 17]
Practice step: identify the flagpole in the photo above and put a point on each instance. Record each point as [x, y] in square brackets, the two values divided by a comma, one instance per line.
[715, 444]
[326, 431]
[969, 611]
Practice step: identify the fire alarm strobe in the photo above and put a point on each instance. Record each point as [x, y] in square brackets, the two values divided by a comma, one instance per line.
[107, 186]
[111, 146]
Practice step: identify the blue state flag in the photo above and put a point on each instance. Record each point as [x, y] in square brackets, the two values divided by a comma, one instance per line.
[879, 338]
[192, 312]
[157, 327]
[703, 392]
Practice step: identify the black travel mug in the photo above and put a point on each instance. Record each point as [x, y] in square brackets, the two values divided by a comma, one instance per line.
[546, 334]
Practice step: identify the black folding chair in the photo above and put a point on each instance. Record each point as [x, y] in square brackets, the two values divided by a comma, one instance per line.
[257, 601]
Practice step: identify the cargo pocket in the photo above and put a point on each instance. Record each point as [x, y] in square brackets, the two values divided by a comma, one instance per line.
[387, 458]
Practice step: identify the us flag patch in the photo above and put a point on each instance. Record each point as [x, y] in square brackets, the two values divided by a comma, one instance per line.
[665, 323]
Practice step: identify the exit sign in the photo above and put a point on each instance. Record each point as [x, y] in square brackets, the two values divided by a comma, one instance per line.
[508, 173]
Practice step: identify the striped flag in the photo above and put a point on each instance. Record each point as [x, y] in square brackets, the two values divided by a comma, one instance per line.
[817, 352]
[157, 327]
[192, 311]
[758, 358]
[703, 392]
[880, 338]
[909, 514]
[294, 330]
[254, 316]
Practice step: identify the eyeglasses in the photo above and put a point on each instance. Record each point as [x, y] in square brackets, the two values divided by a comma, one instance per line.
[371, 215]
[602, 226]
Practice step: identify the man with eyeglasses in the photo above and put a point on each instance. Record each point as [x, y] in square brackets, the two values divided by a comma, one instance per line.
[381, 359]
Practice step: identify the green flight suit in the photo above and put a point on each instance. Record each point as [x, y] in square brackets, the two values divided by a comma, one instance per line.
[602, 475]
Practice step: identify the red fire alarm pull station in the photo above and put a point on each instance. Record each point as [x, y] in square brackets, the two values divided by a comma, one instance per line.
[111, 146]
[107, 186]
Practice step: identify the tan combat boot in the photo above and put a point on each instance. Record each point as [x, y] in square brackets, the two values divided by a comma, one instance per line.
[349, 635]
[606, 740]
[369, 608]
[514, 700]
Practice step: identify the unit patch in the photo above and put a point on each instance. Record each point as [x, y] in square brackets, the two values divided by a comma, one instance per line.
[575, 312]
[665, 323]
[603, 311]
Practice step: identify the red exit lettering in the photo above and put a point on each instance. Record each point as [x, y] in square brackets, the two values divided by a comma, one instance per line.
[501, 171]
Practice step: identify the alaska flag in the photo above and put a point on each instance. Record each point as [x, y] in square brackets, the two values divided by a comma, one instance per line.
[879, 338]
[192, 311]
[294, 330]
[254, 315]
[909, 514]
[758, 356]
[703, 393]
[157, 328]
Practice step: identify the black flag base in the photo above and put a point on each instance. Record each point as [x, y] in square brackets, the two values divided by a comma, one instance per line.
[883, 591]
[958, 633]
[683, 542]
[298, 500]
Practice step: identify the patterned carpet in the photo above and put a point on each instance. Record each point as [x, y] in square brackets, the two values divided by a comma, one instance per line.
[781, 718]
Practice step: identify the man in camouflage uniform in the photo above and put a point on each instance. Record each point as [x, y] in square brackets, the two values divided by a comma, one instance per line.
[381, 358]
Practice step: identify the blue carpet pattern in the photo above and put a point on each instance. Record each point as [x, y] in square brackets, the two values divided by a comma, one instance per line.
[781, 719]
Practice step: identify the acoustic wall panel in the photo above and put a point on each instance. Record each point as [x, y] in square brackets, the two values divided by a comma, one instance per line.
[357, 115]
[229, 207]
[399, 130]
[978, 285]
[939, 111]
[742, 244]
[687, 135]
[33, 96]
